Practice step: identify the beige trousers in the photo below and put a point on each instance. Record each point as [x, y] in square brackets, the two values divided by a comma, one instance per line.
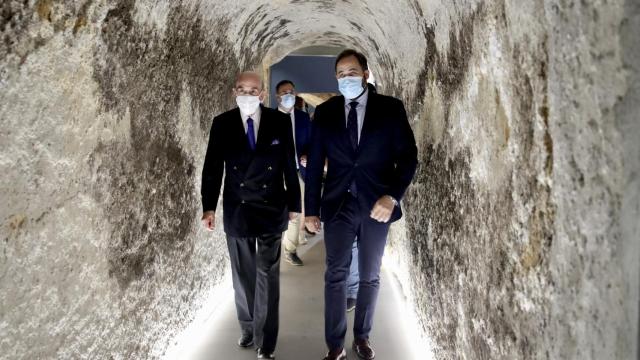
[295, 231]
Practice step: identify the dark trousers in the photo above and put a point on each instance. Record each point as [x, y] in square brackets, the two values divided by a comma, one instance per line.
[350, 223]
[255, 269]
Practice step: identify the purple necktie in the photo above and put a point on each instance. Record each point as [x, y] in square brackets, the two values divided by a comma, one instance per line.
[251, 135]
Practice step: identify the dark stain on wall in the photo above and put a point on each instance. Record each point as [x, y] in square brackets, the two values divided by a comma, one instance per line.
[17, 16]
[43, 8]
[321, 4]
[440, 187]
[448, 70]
[148, 184]
[461, 237]
[259, 33]
[456, 261]
[13, 16]
[82, 17]
[356, 26]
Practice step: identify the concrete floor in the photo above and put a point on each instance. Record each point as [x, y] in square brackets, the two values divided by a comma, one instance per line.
[301, 319]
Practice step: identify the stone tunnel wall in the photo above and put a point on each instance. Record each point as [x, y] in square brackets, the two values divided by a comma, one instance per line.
[103, 137]
[520, 239]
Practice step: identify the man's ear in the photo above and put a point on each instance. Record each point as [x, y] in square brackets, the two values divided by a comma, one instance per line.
[366, 75]
[262, 95]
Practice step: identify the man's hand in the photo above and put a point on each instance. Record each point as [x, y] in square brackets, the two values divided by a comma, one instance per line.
[383, 209]
[293, 215]
[303, 160]
[209, 220]
[312, 223]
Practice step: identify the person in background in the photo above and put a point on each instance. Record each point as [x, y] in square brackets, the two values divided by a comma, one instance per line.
[301, 125]
[253, 146]
[372, 158]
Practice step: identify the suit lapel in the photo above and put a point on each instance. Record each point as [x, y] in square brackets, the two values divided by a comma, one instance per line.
[341, 126]
[264, 131]
[237, 130]
[370, 120]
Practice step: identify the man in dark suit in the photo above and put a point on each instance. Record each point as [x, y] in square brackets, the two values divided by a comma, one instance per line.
[353, 281]
[253, 146]
[286, 97]
[372, 157]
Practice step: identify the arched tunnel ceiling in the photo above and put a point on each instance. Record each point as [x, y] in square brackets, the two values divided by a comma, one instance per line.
[520, 228]
[318, 51]
[269, 30]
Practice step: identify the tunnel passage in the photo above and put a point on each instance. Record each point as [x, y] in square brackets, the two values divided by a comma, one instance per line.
[520, 225]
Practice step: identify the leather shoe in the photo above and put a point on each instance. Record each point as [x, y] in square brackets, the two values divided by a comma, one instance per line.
[246, 340]
[265, 354]
[351, 304]
[293, 259]
[336, 355]
[363, 349]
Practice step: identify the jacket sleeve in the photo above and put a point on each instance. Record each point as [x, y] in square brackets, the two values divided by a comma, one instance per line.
[315, 165]
[213, 168]
[405, 153]
[290, 170]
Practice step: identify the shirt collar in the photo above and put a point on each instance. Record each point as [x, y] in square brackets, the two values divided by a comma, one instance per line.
[255, 116]
[285, 111]
[361, 100]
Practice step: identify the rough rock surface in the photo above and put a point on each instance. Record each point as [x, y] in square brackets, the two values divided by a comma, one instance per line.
[521, 234]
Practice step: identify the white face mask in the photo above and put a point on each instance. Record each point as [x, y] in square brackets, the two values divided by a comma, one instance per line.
[350, 86]
[288, 101]
[248, 104]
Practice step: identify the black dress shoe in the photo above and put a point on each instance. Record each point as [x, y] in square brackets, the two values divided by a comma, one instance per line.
[292, 258]
[363, 349]
[351, 304]
[265, 354]
[336, 355]
[245, 341]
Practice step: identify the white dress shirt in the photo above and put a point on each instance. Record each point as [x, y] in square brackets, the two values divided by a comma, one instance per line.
[361, 109]
[256, 121]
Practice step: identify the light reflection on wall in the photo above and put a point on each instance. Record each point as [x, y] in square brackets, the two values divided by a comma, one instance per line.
[218, 302]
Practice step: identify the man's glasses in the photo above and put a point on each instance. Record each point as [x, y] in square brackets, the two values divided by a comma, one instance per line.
[250, 92]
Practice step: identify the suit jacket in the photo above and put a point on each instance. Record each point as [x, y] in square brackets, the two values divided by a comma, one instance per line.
[303, 136]
[255, 200]
[383, 164]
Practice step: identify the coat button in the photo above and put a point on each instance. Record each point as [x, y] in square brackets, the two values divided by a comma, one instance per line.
[264, 186]
[242, 202]
[270, 168]
[235, 168]
[241, 184]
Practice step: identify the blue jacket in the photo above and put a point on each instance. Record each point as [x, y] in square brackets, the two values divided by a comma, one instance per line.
[303, 136]
[383, 164]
